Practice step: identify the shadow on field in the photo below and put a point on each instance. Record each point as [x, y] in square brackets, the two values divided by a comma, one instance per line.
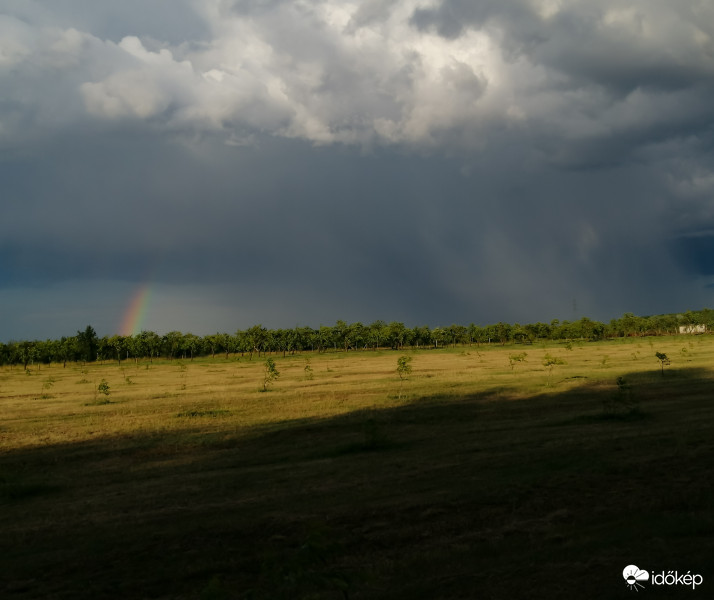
[484, 496]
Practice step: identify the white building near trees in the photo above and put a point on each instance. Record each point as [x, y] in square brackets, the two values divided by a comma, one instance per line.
[692, 329]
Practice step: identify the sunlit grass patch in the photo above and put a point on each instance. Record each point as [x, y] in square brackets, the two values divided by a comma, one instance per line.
[343, 480]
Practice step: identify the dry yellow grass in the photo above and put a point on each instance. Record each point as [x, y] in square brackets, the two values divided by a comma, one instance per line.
[54, 405]
[341, 480]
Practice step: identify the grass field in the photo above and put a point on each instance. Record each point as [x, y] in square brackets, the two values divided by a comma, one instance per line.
[473, 478]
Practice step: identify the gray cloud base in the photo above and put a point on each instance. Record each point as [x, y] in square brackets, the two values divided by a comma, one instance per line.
[302, 162]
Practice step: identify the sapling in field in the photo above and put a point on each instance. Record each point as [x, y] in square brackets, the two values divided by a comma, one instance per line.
[102, 388]
[404, 369]
[663, 360]
[551, 361]
[308, 370]
[271, 373]
[182, 369]
[403, 366]
[47, 385]
[516, 358]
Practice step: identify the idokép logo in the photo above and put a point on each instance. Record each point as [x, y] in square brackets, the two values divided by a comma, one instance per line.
[635, 578]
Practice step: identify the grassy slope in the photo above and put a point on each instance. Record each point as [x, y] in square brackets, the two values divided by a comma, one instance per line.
[473, 481]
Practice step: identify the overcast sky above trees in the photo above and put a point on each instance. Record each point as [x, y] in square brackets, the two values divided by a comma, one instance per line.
[303, 161]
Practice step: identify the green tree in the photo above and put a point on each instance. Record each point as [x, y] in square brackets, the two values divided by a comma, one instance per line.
[438, 334]
[503, 332]
[68, 349]
[87, 343]
[192, 343]
[104, 348]
[421, 336]
[256, 337]
[341, 333]
[377, 332]
[117, 345]
[396, 334]
[358, 335]
[172, 342]
[213, 343]
[229, 343]
[324, 337]
[151, 343]
[476, 334]
[519, 333]
[27, 351]
[456, 334]
[307, 336]
[135, 347]
[241, 341]
[47, 350]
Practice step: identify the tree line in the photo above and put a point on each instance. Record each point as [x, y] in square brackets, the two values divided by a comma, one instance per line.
[87, 346]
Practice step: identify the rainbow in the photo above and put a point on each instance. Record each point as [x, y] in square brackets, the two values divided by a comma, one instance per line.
[136, 311]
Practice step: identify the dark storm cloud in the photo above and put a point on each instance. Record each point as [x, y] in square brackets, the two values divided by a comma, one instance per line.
[622, 45]
[290, 163]
[630, 74]
[696, 251]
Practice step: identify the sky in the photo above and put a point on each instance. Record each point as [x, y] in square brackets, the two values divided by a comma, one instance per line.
[207, 165]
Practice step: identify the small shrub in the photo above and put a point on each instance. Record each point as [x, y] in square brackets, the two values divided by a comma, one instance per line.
[404, 369]
[47, 385]
[103, 387]
[183, 370]
[549, 362]
[270, 373]
[516, 358]
[403, 366]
